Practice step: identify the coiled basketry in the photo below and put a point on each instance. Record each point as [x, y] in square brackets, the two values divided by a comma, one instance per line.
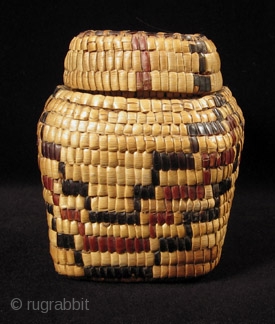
[139, 179]
[108, 61]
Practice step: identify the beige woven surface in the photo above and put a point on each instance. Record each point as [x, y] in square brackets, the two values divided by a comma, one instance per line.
[138, 189]
[104, 40]
[125, 61]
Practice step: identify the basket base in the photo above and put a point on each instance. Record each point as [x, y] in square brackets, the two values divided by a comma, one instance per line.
[137, 273]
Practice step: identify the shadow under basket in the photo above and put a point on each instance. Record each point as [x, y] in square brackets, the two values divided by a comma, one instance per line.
[138, 188]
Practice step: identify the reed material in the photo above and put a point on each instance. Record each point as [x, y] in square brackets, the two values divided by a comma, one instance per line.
[139, 61]
[138, 189]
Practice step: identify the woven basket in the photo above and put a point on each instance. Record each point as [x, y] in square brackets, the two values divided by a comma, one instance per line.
[134, 62]
[138, 182]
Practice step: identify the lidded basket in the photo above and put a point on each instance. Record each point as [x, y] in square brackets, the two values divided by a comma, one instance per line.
[139, 152]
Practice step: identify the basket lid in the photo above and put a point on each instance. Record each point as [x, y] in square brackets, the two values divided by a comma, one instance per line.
[138, 61]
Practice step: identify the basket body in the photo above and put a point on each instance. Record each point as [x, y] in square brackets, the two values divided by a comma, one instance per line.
[138, 189]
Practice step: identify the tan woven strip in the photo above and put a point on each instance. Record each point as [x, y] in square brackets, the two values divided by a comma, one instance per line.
[100, 40]
[138, 61]
[164, 81]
